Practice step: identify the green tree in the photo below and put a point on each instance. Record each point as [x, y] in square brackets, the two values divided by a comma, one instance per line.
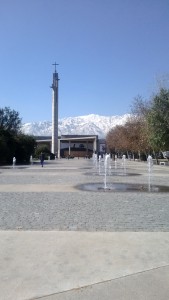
[158, 121]
[7, 146]
[10, 120]
[44, 149]
[24, 147]
[12, 141]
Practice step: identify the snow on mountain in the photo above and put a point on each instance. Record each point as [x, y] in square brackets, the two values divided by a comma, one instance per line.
[90, 124]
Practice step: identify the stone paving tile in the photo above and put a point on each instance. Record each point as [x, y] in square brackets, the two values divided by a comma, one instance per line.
[82, 210]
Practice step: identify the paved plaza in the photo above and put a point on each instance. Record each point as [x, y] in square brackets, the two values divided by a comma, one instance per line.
[59, 242]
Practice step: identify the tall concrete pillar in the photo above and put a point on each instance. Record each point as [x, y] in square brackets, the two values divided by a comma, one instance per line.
[54, 87]
[58, 148]
[69, 147]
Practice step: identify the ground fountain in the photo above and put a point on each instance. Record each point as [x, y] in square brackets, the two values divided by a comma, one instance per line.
[106, 169]
[31, 160]
[100, 158]
[94, 158]
[14, 162]
[124, 164]
[104, 165]
[150, 168]
[115, 162]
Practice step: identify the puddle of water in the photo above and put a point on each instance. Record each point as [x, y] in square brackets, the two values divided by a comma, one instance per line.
[122, 187]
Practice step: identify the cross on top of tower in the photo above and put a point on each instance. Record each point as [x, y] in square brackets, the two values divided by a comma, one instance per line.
[55, 64]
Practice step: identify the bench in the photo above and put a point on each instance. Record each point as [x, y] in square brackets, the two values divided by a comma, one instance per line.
[163, 163]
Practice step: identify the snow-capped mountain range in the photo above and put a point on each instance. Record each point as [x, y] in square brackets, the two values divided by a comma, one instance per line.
[89, 125]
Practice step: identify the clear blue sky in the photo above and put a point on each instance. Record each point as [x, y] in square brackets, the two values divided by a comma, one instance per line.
[108, 51]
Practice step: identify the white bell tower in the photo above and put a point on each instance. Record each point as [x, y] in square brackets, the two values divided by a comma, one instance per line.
[54, 87]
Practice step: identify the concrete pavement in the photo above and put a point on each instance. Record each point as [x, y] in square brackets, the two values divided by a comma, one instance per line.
[78, 263]
[150, 285]
[38, 264]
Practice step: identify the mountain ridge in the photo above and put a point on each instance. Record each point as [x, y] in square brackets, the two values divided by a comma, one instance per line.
[82, 125]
